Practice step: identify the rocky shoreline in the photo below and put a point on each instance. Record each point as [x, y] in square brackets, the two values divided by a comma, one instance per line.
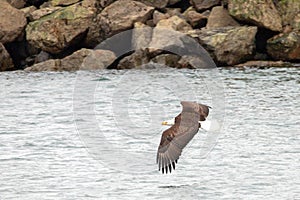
[60, 35]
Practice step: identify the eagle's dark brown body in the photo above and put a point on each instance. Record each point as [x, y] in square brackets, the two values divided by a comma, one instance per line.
[174, 139]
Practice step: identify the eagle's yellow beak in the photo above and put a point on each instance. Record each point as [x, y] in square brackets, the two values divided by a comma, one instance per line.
[168, 122]
[164, 123]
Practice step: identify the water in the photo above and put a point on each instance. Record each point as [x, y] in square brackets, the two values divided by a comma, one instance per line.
[44, 154]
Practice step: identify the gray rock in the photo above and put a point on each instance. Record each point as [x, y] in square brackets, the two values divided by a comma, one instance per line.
[98, 59]
[284, 46]
[122, 14]
[12, 22]
[262, 13]
[228, 45]
[42, 57]
[83, 59]
[194, 62]
[142, 36]
[165, 37]
[135, 60]
[170, 60]
[87, 59]
[6, 62]
[204, 4]
[219, 17]
[49, 65]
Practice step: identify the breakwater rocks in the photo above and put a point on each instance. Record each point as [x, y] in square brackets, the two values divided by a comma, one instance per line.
[56, 35]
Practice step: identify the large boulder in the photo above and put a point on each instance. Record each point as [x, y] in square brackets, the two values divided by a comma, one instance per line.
[83, 59]
[195, 62]
[219, 17]
[290, 13]
[170, 35]
[284, 46]
[141, 36]
[228, 45]
[98, 59]
[122, 14]
[262, 13]
[87, 59]
[135, 60]
[6, 62]
[66, 27]
[161, 41]
[12, 22]
[49, 65]
[204, 4]
[170, 60]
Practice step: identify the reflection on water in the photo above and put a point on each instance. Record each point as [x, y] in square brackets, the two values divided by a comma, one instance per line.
[44, 156]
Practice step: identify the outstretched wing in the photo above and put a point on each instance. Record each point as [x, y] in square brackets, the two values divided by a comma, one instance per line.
[173, 140]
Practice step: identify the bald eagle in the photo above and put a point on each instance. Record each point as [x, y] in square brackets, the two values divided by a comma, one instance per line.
[183, 128]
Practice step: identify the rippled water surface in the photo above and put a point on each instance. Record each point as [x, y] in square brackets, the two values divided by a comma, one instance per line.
[94, 135]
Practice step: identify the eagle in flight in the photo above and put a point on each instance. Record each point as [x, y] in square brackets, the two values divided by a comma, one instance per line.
[183, 128]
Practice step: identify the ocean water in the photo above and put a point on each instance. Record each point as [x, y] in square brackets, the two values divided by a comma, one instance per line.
[94, 135]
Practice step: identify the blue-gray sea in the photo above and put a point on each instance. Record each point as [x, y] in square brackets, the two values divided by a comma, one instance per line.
[94, 135]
